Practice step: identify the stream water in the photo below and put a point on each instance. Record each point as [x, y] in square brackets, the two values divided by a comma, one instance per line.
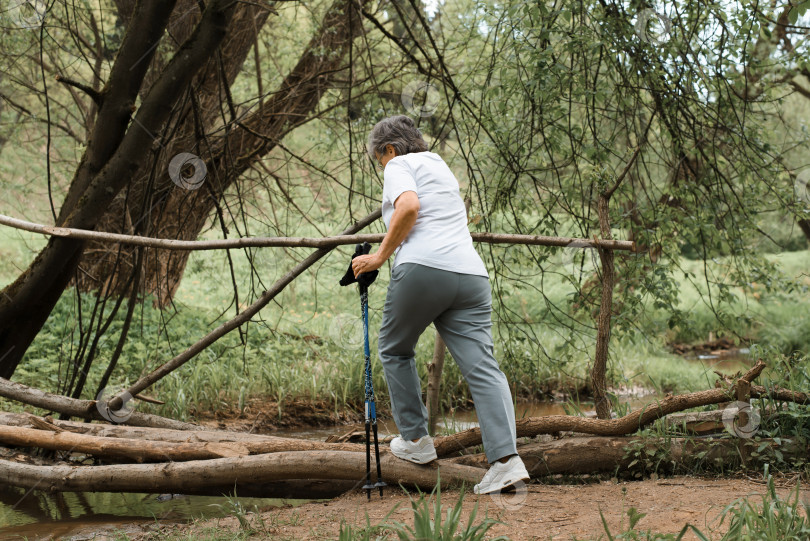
[83, 515]
[40, 515]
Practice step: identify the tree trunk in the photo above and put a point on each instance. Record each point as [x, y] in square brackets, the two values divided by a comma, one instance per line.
[595, 454]
[141, 210]
[805, 227]
[598, 378]
[448, 445]
[84, 409]
[138, 450]
[114, 153]
[333, 472]
[703, 422]
[169, 211]
[551, 424]
[197, 434]
[110, 268]
[192, 467]
[298, 242]
[198, 475]
[435, 368]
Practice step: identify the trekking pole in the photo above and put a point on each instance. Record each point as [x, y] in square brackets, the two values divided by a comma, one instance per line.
[371, 404]
[363, 281]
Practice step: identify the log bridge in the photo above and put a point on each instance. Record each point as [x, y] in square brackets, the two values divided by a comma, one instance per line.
[190, 459]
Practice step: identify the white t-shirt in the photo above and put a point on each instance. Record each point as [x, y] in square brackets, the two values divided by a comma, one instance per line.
[440, 237]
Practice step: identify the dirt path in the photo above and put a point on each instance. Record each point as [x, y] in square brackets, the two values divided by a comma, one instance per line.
[547, 511]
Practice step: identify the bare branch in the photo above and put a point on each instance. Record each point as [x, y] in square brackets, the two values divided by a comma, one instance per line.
[325, 242]
[94, 95]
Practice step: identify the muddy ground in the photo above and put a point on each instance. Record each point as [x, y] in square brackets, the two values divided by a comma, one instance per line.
[542, 512]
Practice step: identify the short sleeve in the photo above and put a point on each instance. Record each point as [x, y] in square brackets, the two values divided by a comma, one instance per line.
[398, 179]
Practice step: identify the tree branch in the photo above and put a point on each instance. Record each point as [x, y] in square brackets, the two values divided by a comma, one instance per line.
[324, 242]
[92, 92]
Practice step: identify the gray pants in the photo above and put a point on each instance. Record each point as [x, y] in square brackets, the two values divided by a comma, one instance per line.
[459, 305]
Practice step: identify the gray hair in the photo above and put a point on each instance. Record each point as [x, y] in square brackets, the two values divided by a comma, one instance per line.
[398, 131]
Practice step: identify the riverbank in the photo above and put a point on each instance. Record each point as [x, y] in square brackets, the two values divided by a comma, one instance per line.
[544, 511]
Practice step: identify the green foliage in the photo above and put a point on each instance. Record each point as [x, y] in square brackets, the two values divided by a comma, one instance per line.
[776, 519]
[236, 509]
[428, 523]
[631, 533]
[368, 533]
[431, 521]
[649, 454]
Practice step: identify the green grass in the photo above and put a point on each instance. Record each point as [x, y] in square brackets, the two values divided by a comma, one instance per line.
[428, 522]
[773, 519]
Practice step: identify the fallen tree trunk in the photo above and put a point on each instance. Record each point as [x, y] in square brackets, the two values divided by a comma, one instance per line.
[140, 450]
[293, 488]
[777, 393]
[551, 424]
[329, 473]
[203, 474]
[152, 444]
[157, 445]
[703, 422]
[85, 409]
[199, 434]
[304, 489]
[693, 422]
[446, 445]
[588, 454]
[595, 454]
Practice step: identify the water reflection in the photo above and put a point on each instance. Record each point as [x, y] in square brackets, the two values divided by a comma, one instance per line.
[458, 420]
[39, 514]
[726, 361]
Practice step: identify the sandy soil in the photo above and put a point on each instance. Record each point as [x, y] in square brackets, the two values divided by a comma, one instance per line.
[541, 512]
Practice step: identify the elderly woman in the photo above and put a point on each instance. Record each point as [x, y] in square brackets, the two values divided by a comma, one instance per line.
[438, 278]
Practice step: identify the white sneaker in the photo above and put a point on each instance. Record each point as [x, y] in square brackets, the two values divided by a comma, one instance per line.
[421, 452]
[502, 475]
